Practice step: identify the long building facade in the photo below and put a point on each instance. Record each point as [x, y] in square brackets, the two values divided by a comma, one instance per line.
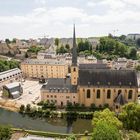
[10, 76]
[35, 68]
[92, 84]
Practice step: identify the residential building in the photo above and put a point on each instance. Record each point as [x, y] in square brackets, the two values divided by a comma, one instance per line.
[35, 68]
[133, 36]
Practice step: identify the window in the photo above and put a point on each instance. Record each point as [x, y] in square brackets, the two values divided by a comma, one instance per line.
[88, 93]
[98, 94]
[74, 69]
[117, 106]
[108, 94]
[67, 97]
[130, 94]
[119, 91]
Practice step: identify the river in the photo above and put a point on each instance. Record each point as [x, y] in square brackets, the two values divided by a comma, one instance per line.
[51, 125]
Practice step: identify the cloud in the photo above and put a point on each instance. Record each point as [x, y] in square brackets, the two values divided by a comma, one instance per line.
[57, 21]
[43, 2]
[91, 4]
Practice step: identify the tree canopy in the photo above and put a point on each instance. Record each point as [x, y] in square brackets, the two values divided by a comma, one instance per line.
[6, 65]
[62, 49]
[34, 49]
[56, 42]
[105, 131]
[106, 115]
[111, 47]
[84, 46]
[5, 132]
[130, 116]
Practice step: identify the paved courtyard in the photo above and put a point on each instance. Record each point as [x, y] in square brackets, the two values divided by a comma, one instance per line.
[31, 93]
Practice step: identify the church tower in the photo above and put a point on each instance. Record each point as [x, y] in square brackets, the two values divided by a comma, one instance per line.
[74, 67]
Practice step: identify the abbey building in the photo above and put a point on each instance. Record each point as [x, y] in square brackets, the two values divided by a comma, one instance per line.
[92, 84]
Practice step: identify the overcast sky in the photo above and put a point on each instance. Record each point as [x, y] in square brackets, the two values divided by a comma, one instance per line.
[55, 18]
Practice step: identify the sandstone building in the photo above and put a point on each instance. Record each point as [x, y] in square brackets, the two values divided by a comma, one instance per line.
[35, 68]
[92, 84]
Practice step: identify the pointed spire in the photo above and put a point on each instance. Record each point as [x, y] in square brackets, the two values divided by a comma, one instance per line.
[74, 49]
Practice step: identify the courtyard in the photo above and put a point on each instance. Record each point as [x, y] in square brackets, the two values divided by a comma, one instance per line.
[31, 93]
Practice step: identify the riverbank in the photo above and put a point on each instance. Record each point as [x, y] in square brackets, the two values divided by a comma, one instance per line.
[49, 134]
[9, 105]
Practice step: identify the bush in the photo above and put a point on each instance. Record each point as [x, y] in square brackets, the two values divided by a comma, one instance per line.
[5, 132]
[105, 131]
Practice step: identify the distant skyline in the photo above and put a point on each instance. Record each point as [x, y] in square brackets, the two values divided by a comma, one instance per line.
[55, 18]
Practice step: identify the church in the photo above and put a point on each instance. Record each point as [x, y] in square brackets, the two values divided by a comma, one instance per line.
[91, 84]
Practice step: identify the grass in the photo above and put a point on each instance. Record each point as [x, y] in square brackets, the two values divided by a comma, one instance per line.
[50, 134]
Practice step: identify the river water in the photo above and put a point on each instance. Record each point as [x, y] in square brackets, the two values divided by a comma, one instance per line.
[51, 125]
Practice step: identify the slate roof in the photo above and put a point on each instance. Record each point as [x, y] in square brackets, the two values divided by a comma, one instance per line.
[108, 77]
[93, 66]
[62, 85]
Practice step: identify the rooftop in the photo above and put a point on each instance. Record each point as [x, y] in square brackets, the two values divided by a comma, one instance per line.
[8, 73]
[108, 77]
[59, 85]
[12, 85]
[93, 66]
[44, 61]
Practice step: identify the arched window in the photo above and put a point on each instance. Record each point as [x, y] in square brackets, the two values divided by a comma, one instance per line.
[88, 93]
[108, 94]
[74, 69]
[130, 94]
[98, 94]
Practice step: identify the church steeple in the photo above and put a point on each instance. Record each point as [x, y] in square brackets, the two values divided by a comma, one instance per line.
[74, 49]
[74, 67]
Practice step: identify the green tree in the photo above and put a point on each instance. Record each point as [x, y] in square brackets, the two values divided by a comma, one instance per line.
[67, 46]
[5, 132]
[137, 68]
[84, 46]
[105, 131]
[7, 41]
[61, 50]
[134, 135]
[6, 65]
[22, 109]
[130, 116]
[106, 115]
[133, 53]
[28, 108]
[56, 42]
[122, 37]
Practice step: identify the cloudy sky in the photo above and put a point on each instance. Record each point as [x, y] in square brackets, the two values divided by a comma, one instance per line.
[55, 18]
